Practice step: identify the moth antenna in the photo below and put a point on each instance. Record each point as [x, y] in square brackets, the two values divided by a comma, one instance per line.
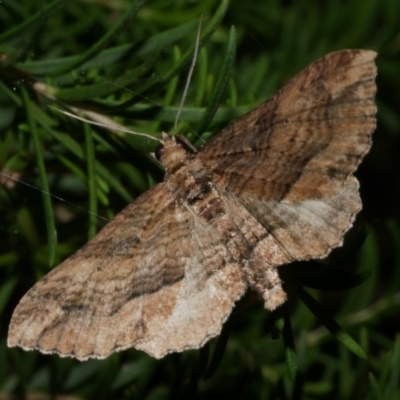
[46, 91]
[187, 143]
[196, 51]
[109, 125]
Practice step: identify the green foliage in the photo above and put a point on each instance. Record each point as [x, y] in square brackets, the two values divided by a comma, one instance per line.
[127, 61]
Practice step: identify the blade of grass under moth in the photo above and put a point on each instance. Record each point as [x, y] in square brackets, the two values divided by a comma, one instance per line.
[132, 372]
[394, 230]
[97, 47]
[333, 327]
[91, 180]
[392, 385]
[374, 386]
[288, 341]
[219, 352]
[48, 209]
[104, 378]
[81, 374]
[368, 258]
[344, 377]
[202, 361]
[335, 280]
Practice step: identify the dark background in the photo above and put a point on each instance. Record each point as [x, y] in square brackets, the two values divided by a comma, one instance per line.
[65, 46]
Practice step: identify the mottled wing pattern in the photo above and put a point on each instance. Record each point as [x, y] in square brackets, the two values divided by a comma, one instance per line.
[290, 161]
[274, 187]
[149, 279]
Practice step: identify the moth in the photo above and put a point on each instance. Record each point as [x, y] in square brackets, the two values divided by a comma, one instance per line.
[274, 187]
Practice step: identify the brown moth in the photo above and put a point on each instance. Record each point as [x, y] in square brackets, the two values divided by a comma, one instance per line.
[275, 186]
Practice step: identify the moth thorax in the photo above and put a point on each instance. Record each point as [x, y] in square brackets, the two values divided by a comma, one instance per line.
[173, 156]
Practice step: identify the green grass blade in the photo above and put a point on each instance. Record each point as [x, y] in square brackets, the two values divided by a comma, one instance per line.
[91, 180]
[222, 82]
[48, 209]
[95, 49]
[290, 351]
[393, 384]
[32, 21]
[105, 88]
[75, 148]
[105, 58]
[219, 351]
[6, 290]
[172, 86]
[374, 386]
[201, 67]
[170, 92]
[333, 327]
[167, 37]
[114, 183]
[157, 82]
